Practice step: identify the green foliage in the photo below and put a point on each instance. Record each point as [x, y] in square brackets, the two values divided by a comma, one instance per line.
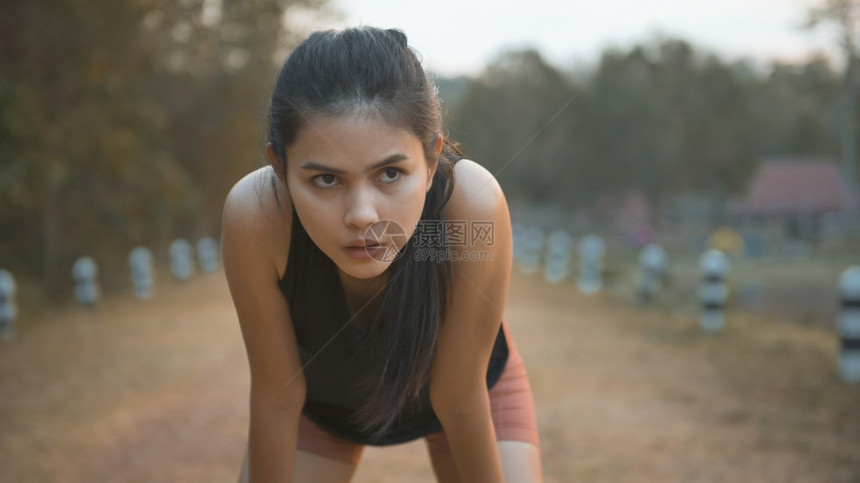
[660, 117]
[125, 123]
[514, 120]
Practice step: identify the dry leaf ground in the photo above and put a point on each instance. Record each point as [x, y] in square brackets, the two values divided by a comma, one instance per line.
[152, 391]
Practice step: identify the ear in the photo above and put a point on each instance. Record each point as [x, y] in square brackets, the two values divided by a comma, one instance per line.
[432, 165]
[277, 165]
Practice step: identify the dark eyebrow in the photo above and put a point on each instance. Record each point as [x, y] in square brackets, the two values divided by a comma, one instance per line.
[394, 158]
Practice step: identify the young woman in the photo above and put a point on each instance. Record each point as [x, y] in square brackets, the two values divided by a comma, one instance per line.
[369, 267]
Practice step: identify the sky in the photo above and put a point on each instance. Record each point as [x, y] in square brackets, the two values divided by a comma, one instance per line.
[461, 36]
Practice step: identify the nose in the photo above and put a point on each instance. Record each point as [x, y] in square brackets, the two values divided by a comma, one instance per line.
[360, 209]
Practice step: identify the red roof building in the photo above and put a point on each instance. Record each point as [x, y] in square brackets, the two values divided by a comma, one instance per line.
[785, 188]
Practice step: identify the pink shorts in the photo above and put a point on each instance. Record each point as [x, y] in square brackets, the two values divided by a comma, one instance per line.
[511, 406]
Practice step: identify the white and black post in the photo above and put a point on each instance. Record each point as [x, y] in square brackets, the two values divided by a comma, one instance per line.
[849, 324]
[517, 233]
[142, 272]
[652, 272]
[207, 254]
[8, 305]
[533, 239]
[713, 292]
[591, 251]
[558, 248]
[85, 273]
[181, 260]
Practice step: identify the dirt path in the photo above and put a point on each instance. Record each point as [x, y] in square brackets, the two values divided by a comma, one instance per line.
[143, 391]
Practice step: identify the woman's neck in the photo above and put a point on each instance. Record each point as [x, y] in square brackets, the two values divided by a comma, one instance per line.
[360, 292]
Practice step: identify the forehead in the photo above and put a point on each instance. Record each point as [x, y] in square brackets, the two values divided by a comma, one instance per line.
[351, 141]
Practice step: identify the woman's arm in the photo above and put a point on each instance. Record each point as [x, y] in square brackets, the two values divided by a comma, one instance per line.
[458, 389]
[253, 236]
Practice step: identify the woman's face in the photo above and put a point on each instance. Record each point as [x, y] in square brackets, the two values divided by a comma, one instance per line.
[349, 177]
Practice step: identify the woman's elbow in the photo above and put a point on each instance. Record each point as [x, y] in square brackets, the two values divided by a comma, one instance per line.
[459, 405]
[288, 398]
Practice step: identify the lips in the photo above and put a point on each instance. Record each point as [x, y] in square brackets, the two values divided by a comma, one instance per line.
[365, 243]
[365, 251]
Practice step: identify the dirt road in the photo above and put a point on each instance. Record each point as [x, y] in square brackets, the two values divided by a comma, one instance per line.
[152, 391]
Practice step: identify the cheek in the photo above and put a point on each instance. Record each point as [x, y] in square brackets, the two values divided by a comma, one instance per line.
[411, 205]
[315, 216]
[303, 199]
[299, 200]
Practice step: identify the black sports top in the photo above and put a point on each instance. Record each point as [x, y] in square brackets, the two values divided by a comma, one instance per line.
[330, 350]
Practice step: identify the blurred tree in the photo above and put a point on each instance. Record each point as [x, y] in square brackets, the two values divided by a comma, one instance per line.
[623, 137]
[516, 117]
[125, 123]
[451, 90]
[845, 14]
[71, 121]
[797, 109]
[660, 117]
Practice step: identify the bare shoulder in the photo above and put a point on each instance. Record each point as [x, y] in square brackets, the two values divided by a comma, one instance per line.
[257, 215]
[257, 201]
[478, 200]
[476, 194]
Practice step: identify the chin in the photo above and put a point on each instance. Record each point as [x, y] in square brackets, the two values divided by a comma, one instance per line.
[361, 269]
[367, 272]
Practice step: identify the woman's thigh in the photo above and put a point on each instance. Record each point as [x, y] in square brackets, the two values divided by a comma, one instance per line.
[520, 463]
[311, 468]
[320, 456]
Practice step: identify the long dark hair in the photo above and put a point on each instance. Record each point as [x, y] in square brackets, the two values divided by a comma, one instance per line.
[337, 72]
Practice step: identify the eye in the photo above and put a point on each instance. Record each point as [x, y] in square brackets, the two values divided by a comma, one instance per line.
[390, 175]
[324, 181]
